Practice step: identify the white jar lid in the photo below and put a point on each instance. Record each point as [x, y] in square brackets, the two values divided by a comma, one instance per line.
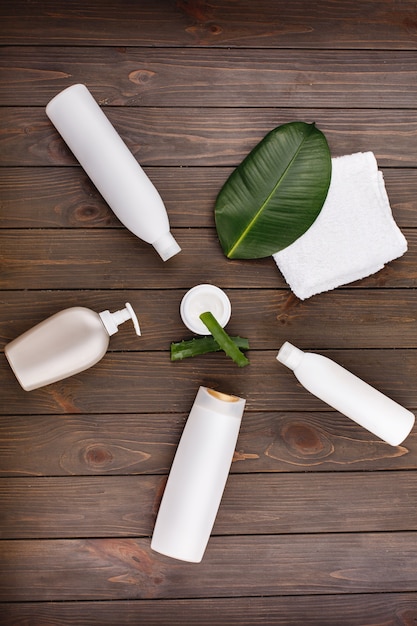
[200, 299]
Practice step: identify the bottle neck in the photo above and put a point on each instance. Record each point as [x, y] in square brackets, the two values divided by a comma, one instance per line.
[166, 246]
[290, 356]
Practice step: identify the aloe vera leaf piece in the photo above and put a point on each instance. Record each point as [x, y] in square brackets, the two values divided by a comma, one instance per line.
[201, 345]
[223, 339]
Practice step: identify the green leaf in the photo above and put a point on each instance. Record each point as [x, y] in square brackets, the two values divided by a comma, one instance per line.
[202, 345]
[223, 339]
[275, 194]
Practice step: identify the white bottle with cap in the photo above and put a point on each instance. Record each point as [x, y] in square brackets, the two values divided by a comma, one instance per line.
[198, 476]
[349, 394]
[64, 344]
[112, 167]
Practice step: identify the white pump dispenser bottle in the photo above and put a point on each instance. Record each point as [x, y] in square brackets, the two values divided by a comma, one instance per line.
[112, 167]
[64, 344]
[349, 394]
[198, 476]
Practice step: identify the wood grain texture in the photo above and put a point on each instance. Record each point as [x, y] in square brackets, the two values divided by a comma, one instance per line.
[104, 259]
[141, 443]
[252, 504]
[371, 24]
[51, 197]
[233, 566]
[215, 78]
[267, 318]
[398, 609]
[198, 136]
[317, 525]
[130, 382]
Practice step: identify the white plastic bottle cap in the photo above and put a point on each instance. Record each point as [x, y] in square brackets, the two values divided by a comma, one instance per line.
[200, 299]
[166, 246]
[289, 355]
[112, 320]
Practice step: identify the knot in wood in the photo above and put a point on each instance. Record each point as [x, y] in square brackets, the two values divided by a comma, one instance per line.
[98, 456]
[140, 77]
[305, 440]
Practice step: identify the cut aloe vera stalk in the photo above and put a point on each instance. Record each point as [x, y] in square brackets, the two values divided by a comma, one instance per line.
[223, 339]
[202, 345]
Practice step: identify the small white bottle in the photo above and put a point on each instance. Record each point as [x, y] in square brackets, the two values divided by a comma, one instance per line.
[349, 394]
[112, 167]
[64, 344]
[198, 476]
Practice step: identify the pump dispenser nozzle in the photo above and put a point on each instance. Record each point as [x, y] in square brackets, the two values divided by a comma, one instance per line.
[112, 320]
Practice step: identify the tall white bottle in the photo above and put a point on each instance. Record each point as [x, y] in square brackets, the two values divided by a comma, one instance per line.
[64, 344]
[349, 394]
[112, 167]
[198, 476]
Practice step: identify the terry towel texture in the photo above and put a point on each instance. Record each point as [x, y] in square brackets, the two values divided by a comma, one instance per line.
[354, 236]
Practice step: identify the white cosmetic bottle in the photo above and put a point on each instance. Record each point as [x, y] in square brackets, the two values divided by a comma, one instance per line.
[112, 167]
[64, 344]
[198, 476]
[349, 394]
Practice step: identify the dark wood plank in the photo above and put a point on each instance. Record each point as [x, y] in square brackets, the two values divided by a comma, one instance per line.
[130, 382]
[65, 197]
[93, 569]
[116, 259]
[390, 609]
[370, 24]
[201, 77]
[252, 504]
[96, 259]
[88, 444]
[131, 444]
[212, 136]
[357, 318]
[58, 197]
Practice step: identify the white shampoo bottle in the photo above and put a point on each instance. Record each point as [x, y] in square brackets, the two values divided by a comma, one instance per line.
[64, 344]
[112, 167]
[349, 394]
[198, 476]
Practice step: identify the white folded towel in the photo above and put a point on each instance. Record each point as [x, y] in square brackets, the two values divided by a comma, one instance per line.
[354, 235]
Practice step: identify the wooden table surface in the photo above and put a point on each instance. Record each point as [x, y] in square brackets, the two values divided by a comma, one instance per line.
[319, 518]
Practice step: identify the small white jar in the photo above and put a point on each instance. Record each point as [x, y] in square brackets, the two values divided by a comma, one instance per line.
[200, 299]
